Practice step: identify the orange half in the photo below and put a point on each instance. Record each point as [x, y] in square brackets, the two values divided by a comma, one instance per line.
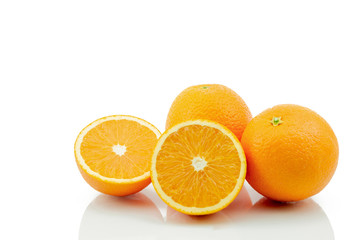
[114, 154]
[198, 167]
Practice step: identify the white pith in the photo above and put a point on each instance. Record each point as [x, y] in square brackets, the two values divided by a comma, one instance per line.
[223, 202]
[119, 149]
[198, 163]
[83, 133]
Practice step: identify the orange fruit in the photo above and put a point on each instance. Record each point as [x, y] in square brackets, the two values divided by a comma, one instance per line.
[114, 154]
[198, 167]
[210, 101]
[291, 151]
[236, 211]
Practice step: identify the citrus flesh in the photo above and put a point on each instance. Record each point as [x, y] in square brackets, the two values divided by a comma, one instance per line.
[114, 154]
[198, 167]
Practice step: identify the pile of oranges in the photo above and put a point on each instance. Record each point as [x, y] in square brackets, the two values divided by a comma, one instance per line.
[210, 146]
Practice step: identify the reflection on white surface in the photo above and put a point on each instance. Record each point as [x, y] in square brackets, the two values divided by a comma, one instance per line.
[131, 217]
[235, 211]
[301, 220]
[145, 216]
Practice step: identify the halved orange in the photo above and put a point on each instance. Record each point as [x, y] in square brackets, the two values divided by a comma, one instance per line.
[114, 154]
[198, 167]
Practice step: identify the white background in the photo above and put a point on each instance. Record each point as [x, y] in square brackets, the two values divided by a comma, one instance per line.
[65, 63]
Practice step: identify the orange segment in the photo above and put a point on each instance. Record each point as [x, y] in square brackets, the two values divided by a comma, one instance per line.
[114, 154]
[198, 167]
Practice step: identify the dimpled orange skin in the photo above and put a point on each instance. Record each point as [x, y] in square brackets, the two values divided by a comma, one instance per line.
[293, 160]
[213, 102]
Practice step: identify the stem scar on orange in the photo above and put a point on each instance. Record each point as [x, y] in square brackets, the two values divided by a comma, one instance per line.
[114, 154]
[291, 151]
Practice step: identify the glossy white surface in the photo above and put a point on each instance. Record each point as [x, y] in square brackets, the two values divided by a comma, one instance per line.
[64, 64]
[144, 215]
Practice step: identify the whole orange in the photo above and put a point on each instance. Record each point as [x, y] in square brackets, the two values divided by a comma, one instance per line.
[291, 152]
[212, 102]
